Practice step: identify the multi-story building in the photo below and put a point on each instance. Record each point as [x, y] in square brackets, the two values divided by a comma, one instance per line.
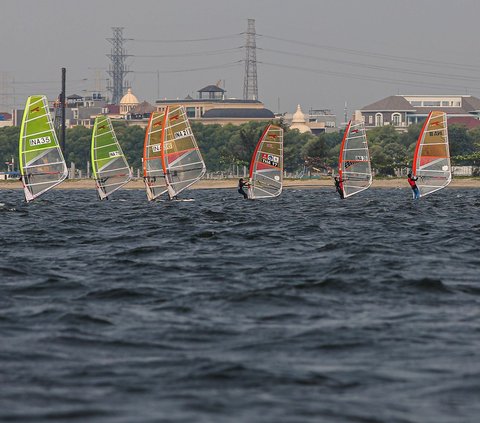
[213, 107]
[403, 110]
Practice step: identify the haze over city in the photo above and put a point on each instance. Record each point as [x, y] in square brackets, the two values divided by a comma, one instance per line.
[315, 53]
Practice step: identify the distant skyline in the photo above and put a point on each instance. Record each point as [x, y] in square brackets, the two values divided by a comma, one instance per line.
[317, 54]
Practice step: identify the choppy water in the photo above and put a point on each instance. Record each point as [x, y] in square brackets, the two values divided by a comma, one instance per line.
[300, 309]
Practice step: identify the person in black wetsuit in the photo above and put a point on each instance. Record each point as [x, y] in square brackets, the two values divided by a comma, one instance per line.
[339, 186]
[241, 184]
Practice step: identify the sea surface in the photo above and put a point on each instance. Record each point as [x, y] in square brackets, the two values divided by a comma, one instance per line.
[304, 308]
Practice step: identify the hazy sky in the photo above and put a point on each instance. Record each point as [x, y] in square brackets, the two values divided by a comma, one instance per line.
[313, 52]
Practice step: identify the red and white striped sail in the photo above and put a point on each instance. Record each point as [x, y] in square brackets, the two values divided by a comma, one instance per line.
[354, 162]
[431, 162]
[266, 168]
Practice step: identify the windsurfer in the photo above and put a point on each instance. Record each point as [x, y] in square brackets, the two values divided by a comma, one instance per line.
[339, 186]
[411, 181]
[241, 184]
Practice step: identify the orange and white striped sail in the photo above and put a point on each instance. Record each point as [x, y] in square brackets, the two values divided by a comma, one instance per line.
[266, 168]
[354, 161]
[431, 162]
[153, 174]
[182, 161]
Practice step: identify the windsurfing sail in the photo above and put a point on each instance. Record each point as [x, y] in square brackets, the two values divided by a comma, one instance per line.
[42, 165]
[431, 162]
[182, 161]
[110, 167]
[153, 174]
[354, 162]
[266, 168]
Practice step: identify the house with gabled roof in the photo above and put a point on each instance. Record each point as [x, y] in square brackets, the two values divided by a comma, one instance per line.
[402, 111]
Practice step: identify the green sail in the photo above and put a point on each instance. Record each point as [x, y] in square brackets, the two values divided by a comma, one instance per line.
[110, 168]
[42, 165]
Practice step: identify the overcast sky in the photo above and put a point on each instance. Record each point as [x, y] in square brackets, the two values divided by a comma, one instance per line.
[315, 53]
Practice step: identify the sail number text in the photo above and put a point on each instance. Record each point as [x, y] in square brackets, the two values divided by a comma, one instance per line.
[40, 141]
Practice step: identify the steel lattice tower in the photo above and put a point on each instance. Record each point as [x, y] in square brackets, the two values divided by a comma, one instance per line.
[117, 69]
[250, 88]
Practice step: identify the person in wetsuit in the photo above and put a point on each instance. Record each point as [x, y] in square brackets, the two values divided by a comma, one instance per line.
[339, 186]
[241, 184]
[413, 185]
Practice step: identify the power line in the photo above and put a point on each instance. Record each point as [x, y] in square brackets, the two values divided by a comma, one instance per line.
[225, 65]
[368, 77]
[378, 67]
[191, 40]
[197, 53]
[403, 59]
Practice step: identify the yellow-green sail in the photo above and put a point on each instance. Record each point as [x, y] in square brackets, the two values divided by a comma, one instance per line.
[42, 165]
[110, 167]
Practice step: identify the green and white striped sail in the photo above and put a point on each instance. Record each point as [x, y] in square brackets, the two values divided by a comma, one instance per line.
[181, 158]
[42, 165]
[153, 174]
[110, 167]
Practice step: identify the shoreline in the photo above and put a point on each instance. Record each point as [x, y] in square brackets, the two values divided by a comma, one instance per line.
[232, 184]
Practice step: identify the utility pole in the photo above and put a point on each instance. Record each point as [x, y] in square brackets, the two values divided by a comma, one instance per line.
[250, 87]
[63, 98]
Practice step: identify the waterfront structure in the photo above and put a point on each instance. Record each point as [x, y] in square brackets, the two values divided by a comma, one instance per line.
[402, 111]
[212, 106]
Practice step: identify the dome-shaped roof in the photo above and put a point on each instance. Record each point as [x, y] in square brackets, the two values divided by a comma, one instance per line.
[298, 116]
[129, 98]
[299, 121]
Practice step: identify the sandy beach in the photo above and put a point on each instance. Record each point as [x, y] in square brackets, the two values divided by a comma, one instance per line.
[232, 183]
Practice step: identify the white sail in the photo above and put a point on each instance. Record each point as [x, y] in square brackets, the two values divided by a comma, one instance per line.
[266, 168]
[110, 167]
[354, 162]
[431, 162]
[42, 165]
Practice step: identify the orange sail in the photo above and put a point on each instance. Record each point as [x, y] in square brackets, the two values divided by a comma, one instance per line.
[431, 162]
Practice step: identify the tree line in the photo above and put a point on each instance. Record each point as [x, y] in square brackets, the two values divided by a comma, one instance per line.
[225, 146]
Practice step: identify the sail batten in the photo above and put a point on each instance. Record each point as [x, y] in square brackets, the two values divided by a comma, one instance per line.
[431, 161]
[108, 159]
[266, 167]
[354, 161]
[42, 165]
